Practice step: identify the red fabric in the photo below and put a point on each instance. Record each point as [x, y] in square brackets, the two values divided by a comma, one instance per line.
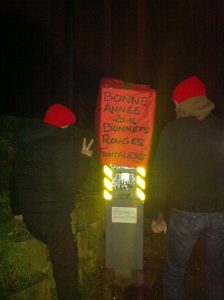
[188, 88]
[59, 115]
[125, 120]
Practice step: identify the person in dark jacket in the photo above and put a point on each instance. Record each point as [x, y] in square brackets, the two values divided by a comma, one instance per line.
[188, 177]
[47, 173]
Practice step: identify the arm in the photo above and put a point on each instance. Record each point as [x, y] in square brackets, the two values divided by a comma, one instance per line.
[83, 162]
[159, 225]
[161, 179]
[70, 166]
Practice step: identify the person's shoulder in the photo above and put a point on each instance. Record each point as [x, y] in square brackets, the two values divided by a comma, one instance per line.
[172, 126]
[29, 124]
[176, 127]
[216, 119]
[30, 130]
[216, 124]
[177, 124]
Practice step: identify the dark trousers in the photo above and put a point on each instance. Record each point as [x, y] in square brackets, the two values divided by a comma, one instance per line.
[185, 229]
[56, 232]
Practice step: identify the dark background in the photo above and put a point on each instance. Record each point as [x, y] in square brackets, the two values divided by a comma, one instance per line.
[58, 50]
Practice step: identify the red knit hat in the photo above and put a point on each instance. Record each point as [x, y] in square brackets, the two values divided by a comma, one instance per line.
[59, 115]
[188, 88]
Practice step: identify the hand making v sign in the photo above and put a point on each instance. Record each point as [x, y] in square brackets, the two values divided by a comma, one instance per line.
[86, 148]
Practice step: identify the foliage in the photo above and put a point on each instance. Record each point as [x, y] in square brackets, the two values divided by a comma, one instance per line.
[15, 273]
[92, 287]
[7, 129]
[10, 229]
[14, 269]
[5, 210]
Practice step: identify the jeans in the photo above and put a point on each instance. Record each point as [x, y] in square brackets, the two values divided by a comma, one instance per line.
[185, 229]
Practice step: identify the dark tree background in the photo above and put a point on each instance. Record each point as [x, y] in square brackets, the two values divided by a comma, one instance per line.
[57, 51]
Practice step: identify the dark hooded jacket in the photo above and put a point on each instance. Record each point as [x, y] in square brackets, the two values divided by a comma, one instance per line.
[188, 169]
[48, 169]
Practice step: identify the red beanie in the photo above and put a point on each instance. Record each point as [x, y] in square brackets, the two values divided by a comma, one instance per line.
[188, 88]
[59, 115]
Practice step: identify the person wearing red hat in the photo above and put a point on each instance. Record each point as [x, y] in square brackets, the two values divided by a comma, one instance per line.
[187, 176]
[47, 173]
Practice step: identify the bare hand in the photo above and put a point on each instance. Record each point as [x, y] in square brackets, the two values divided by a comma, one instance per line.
[86, 149]
[159, 225]
[18, 218]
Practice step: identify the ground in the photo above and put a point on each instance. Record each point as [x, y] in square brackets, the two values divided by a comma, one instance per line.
[147, 284]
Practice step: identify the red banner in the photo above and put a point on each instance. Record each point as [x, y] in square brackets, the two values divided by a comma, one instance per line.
[125, 119]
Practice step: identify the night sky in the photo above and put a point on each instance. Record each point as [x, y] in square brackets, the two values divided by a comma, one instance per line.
[57, 51]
